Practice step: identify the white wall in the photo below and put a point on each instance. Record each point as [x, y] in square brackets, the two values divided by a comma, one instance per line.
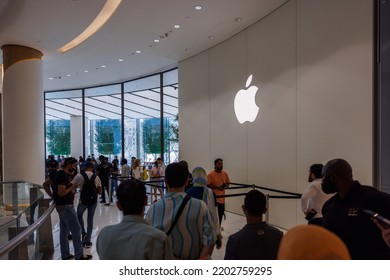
[312, 62]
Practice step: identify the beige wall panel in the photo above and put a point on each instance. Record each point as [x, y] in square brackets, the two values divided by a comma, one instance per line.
[312, 62]
[194, 131]
[272, 137]
[228, 139]
[334, 83]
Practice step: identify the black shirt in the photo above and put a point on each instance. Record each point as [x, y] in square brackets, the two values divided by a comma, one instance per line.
[345, 218]
[254, 242]
[61, 178]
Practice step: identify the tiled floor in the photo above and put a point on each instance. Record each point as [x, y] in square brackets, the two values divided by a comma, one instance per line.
[106, 215]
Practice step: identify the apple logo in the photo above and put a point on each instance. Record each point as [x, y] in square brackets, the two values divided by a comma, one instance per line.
[245, 104]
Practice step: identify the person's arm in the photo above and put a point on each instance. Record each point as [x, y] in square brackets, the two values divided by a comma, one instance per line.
[98, 185]
[205, 252]
[62, 190]
[227, 184]
[46, 186]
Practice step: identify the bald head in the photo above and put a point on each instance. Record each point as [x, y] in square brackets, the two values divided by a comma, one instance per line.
[338, 166]
[337, 177]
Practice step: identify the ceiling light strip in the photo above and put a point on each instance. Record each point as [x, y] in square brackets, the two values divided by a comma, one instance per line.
[108, 10]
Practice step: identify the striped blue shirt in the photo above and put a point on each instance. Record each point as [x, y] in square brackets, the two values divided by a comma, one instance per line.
[193, 229]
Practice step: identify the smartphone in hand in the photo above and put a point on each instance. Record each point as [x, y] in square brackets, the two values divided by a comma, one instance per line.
[385, 222]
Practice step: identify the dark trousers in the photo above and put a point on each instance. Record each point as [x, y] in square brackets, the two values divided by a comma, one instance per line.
[315, 221]
[105, 187]
[221, 211]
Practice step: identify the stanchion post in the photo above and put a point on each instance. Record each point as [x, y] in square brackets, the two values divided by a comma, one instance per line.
[267, 205]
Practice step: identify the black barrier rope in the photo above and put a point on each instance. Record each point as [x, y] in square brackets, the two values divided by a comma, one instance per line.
[290, 195]
[298, 195]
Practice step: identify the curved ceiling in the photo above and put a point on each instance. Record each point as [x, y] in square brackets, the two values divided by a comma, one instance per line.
[47, 25]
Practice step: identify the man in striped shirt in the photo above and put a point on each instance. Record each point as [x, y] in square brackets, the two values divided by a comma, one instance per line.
[193, 237]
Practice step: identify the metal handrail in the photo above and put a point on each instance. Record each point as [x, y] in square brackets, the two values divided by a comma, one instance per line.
[15, 242]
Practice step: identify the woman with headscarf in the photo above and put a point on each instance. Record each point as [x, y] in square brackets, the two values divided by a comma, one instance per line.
[311, 242]
[200, 191]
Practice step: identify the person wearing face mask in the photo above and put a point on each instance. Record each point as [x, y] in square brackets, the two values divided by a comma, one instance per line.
[63, 195]
[343, 213]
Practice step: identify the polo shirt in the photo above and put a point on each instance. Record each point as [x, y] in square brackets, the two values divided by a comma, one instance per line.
[345, 218]
[133, 239]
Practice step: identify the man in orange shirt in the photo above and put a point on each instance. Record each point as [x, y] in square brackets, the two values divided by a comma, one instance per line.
[218, 180]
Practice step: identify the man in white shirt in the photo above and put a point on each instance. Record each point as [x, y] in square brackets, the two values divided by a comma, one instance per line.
[314, 198]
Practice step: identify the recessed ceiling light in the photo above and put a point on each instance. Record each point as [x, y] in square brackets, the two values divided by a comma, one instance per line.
[68, 75]
[198, 7]
[85, 71]
[51, 78]
[103, 66]
[238, 19]
[156, 40]
[211, 37]
[176, 26]
[120, 59]
[138, 51]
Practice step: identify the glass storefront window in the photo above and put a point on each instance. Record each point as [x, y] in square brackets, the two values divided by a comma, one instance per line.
[148, 125]
[171, 115]
[142, 119]
[60, 106]
[103, 121]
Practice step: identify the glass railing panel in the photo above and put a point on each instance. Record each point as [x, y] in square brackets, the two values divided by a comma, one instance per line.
[20, 208]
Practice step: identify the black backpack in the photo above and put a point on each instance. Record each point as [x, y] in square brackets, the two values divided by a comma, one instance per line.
[88, 194]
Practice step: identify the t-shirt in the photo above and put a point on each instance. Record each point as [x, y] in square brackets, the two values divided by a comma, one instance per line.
[254, 242]
[62, 178]
[217, 179]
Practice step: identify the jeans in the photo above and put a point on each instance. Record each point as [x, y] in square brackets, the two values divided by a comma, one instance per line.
[69, 223]
[91, 212]
[114, 186]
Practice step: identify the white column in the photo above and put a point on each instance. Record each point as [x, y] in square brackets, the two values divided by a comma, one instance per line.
[23, 120]
[76, 136]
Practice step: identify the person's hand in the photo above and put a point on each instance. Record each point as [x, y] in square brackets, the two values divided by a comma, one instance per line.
[206, 257]
[385, 231]
[218, 243]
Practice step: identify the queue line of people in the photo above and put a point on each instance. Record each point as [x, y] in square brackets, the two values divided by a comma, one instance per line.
[334, 187]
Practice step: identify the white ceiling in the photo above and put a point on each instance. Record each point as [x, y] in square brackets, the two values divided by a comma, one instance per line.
[47, 25]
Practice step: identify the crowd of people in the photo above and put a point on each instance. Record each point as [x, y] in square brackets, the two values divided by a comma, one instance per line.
[184, 221]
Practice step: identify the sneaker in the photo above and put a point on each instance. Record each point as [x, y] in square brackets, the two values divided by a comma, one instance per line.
[85, 257]
[87, 244]
[70, 257]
